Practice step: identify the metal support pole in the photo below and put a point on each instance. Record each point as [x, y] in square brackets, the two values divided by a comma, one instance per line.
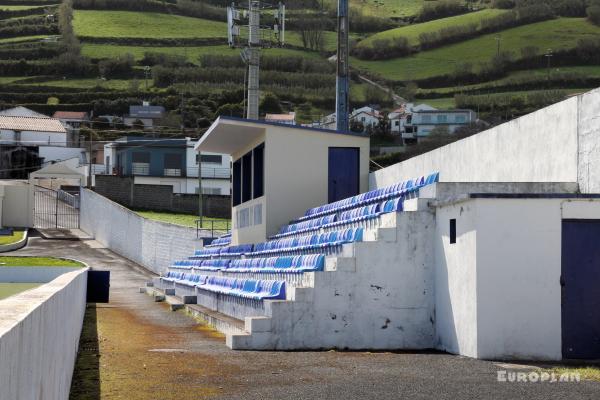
[342, 107]
[200, 199]
[89, 183]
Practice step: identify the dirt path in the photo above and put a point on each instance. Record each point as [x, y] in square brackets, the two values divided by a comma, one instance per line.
[133, 348]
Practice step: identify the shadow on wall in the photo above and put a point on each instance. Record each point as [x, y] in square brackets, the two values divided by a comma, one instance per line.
[86, 376]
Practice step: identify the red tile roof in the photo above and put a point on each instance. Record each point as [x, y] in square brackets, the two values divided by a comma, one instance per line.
[31, 124]
[70, 115]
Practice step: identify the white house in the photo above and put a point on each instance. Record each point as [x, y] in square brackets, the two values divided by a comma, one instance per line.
[72, 121]
[425, 121]
[32, 131]
[402, 116]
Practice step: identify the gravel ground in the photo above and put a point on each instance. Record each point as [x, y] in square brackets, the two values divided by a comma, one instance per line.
[133, 348]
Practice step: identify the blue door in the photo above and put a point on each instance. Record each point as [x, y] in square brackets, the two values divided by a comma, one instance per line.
[343, 172]
[580, 281]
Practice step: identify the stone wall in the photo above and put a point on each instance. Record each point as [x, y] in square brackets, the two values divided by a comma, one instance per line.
[160, 197]
[149, 243]
[39, 336]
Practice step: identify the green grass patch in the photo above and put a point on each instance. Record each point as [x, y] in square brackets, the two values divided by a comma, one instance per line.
[442, 103]
[186, 220]
[115, 84]
[193, 54]
[19, 8]
[14, 238]
[100, 23]
[23, 39]
[412, 32]
[10, 289]
[9, 261]
[383, 8]
[557, 34]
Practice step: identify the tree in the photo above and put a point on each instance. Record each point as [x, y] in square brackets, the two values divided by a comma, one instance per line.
[312, 28]
[138, 124]
[593, 14]
[270, 104]
[356, 126]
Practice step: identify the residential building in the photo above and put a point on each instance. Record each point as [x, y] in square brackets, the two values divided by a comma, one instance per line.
[33, 131]
[424, 121]
[21, 111]
[402, 116]
[146, 114]
[168, 162]
[287, 119]
[368, 116]
[72, 121]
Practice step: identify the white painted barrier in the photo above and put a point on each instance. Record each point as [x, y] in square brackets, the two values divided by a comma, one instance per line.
[39, 337]
[152, 244]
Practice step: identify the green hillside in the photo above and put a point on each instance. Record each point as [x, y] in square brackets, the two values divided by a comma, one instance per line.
[113, 53]
[412, 32]
[562, 33]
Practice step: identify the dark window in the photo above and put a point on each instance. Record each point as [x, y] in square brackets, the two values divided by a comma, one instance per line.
[210, 158]
[259, 170]
[247, 177]
[452, 231]
[140, 157]
[173, 161]
[237, 184]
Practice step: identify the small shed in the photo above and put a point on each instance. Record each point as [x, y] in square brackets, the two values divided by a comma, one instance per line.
[280, 171]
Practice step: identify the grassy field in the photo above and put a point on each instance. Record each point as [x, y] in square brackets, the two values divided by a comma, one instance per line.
[10, 289]
[14, 238]
[412, 32]
[192, 53]
[383, 8]
[186, 219]
[115, 84]
[96, 23]
[6, 261]
[556, 34]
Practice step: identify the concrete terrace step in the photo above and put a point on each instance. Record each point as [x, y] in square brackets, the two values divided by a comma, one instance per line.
[221, 322]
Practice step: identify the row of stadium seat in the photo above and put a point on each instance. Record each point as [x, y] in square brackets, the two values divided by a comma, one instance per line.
[309, 242]
[221, 241]
[377, 195]
[247, 288]
[349, 217]
[292, 264]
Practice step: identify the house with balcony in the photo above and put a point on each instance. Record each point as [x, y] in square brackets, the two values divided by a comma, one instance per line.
[154, 161]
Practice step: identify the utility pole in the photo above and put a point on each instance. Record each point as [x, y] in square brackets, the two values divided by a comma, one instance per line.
[89, 180]
[548, 56]
[200, 199]
[342, 106]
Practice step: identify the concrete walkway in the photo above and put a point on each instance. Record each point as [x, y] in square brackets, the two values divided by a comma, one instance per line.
[134, 349]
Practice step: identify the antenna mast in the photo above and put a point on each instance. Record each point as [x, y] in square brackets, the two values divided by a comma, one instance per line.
[251, 52]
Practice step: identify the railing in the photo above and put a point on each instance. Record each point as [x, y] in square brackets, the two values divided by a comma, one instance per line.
[210, 172]
[172, 172]
[68, 198]
[140, 169]
[213, 226]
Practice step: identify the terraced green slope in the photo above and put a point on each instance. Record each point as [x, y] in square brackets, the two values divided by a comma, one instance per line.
[412, 32]
[555, 34]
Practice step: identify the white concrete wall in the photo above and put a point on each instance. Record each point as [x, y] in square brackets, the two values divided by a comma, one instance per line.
[152, 244]
[56, 153]
[33, 138]
[455, 281]
[498, 293]
[589, 142]
[33, 274]
[377, 294]
[539, 147]
[39, 337]
[16, 204]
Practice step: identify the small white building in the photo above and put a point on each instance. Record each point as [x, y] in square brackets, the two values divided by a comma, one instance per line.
[72, 121]
[32, 131]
